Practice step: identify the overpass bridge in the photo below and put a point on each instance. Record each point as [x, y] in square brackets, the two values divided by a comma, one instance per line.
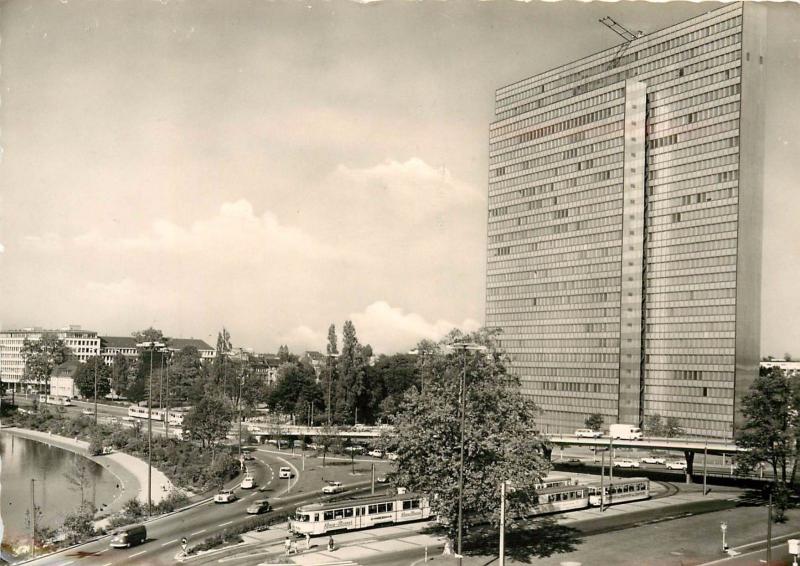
[689, 446]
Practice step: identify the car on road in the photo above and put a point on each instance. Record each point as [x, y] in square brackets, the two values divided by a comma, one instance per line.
[225, 496]
[573, 461]
[87, 412]
[588, 433]
[376, 453]
[654, 460]
[249, 481]
[333, 487]
[248, 456]
[285, 473]
[626, 463]
[259, 506]
[382, 479]
[354, 449]
[676, 465]
[129, 536]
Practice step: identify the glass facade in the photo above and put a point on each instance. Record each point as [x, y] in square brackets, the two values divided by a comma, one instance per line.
[624, 227]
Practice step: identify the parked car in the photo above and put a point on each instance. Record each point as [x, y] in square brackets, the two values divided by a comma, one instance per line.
[588, 433]
[285, 473]
[249, 481]
[88, 412]
[676, 465]
[225, 496]
[129, 536]
[654, 460]
[381, 479]
[259, 506]
[333, 487]
[376, 453]
[626, 463]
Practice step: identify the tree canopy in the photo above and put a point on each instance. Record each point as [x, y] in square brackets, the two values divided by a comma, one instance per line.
[500, 444]
[42, 356]
[85, 378]
[594, 421]
[208, 421]
[295, 388]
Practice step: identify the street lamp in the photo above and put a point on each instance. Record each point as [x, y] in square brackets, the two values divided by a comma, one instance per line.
[462, 346]
[152, 347]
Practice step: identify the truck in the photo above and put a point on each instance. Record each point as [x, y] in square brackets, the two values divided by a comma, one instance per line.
[625, 432]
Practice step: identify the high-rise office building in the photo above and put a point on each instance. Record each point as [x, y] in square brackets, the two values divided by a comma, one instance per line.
[624, 227]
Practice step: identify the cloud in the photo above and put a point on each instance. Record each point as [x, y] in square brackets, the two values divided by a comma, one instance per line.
[389, 329]
[234, 232]
[47, 242]
[302, 338]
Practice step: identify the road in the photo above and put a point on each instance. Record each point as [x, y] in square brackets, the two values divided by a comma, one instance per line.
[196, 523]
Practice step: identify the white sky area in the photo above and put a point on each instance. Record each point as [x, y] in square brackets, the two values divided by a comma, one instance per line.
[274, 167]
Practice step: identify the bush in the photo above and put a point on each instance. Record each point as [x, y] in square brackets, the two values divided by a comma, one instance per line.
[233, 534]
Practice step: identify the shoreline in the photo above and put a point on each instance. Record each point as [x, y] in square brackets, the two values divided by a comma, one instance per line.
[130, 471]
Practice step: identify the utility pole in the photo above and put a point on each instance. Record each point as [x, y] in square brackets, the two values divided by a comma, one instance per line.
[150, 434]
[602, 480]
[166, 415]
[239, 403]
[769, 527]
[461, 457]
[96, 361]
[33, 519]
[372, 489]
[502, 559]
[705, 459]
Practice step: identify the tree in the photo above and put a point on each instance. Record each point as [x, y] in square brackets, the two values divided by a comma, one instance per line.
[78, 476]
[209, 421]
[771, 431]
[186, 376]
[499, 444]
[327, 375]
[350, 373]
[594, 421]
[285, 356]
[79, 526]
[386, 384]
[122, 371]
[787, 356]
[41, 357]
[150, 335]
[85, 378]
[673, 428]
[653, 426]
[295, 387]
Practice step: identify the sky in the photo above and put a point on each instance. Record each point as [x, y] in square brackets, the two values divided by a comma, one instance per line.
[275, 167]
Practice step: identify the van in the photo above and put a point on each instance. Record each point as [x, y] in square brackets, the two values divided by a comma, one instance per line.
[129, 536]
[625, 432]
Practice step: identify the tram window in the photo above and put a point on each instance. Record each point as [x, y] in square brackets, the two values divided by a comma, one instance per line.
[383, 507]
[406, 505]
[316, 517]
[415, 504]
[358, 511]
[328, 515]
[348, 512]
[338, 514]
[373, 509]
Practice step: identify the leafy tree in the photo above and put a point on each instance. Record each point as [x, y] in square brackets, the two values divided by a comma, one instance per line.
[285, 356]
[673, 428]
[78, 476]
[41, 357]
[499, 444]
[350, 372]
[787, 356]
[186, 376]
[79, 526]
[295, 387]
[386, 384]
[327, 377]
[771, 431]
[653, 425]
[122, 372]
[209, 421]
[85, 378]
[594, 421]
[150, 335]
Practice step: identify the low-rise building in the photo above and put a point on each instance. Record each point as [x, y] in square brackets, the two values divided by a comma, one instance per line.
[62, 379]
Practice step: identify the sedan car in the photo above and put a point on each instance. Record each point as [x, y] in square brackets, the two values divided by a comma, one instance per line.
[654, 460]
[376, 453]
[259, 506]
[676, 465]
[87, 412]
[249, 481]
[225, 496]
[626, 463]
[285, 473]
[381, 479]
[333, 487]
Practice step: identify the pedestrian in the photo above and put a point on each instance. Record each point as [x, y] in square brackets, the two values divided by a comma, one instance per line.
[330, 543]
[308, 541]
[293, 547]
[287, 544]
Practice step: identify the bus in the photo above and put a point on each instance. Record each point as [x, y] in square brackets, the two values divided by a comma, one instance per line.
[55, 400]
[138, 412]
[619, 490]
[361, 513]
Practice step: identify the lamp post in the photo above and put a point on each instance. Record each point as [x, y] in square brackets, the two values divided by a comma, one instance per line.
[95, 390]
[166, 415]
[463, 346]
[152, 346]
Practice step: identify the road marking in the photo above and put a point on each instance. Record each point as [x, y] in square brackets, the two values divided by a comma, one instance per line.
[66, 563]
[102, 551]
[223, 524]
[137, 554]
[108, 564]
[197, 533]
[170, 542]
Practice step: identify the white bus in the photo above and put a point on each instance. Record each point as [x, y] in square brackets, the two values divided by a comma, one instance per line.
[351, 514]
[138, 412]
[619, 490]
[55, 400]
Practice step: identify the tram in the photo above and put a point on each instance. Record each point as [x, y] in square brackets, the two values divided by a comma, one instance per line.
[361, 513]
[559, 498]
[139, 412]
[619, 490]
[55, 400]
